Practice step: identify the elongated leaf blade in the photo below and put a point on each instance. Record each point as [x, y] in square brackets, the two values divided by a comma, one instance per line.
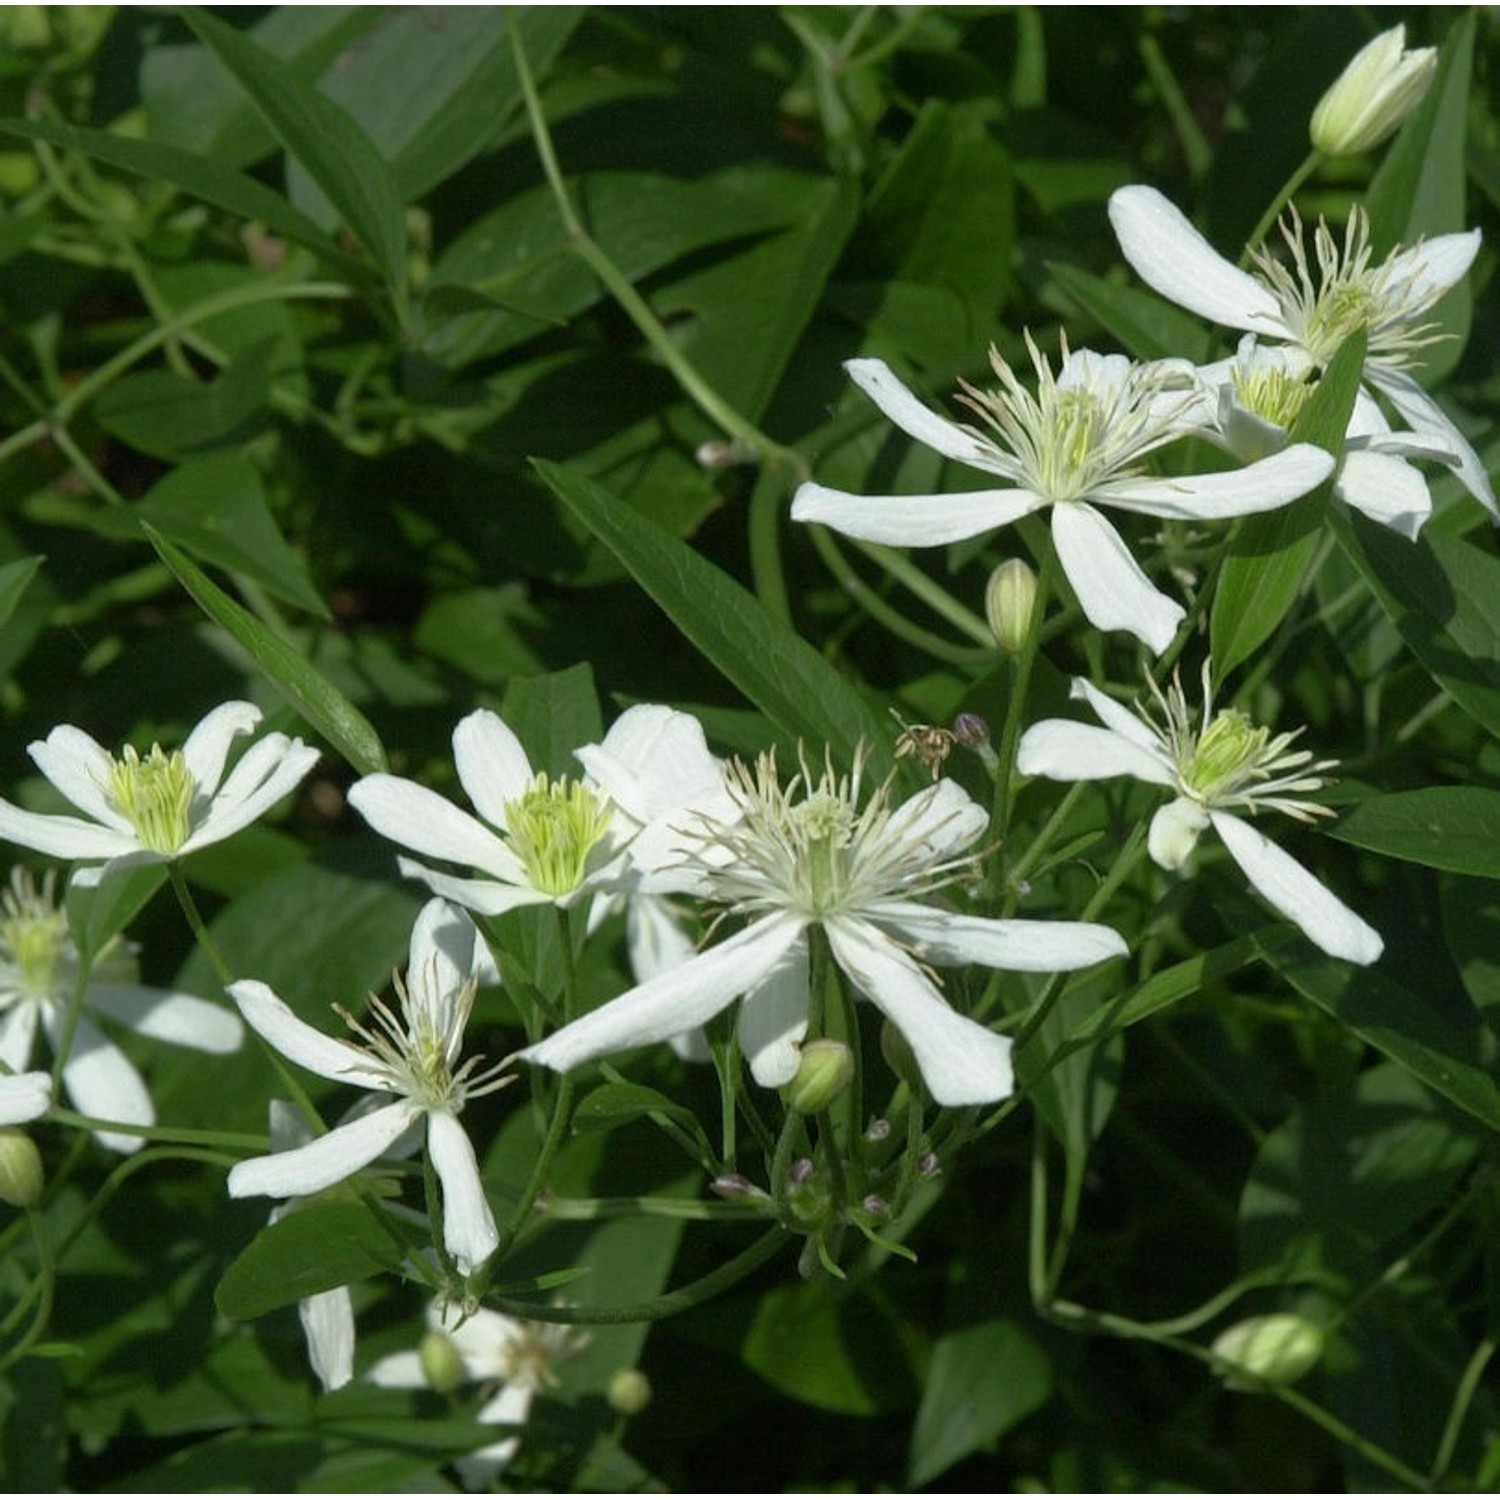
[1446, 827]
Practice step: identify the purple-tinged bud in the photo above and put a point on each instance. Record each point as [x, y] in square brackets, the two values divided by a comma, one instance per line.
[929, 1165]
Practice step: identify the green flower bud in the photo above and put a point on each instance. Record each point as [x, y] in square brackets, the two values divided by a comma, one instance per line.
[628, 1392]
[21, 1177]
[809, 1204]
[1009, 598]
[823, 1074]
[1382, 84]
[1277, 1348]
[441, 1362]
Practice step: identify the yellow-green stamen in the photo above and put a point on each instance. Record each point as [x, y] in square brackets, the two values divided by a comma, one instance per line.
[156, 793]
[34, 938]
[1274, 395]
[554, 826]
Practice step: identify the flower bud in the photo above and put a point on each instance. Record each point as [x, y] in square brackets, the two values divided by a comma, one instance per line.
[735, 1187]
[809, 1204]
[1278, 1348]
[823, 1074]
[1379, 88]
[971, 731]
[1009, 599]
[21, 1178]
[628, 1392]
[442, 1364]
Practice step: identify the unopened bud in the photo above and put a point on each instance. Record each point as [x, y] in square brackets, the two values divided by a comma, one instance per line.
[929, 1166]
[1381, 85]
[825, 1071]
[876, 1206]
[734, 1188]
[21, 1177]
[971, 730]
[878, 1130]
[442, 1364]
[809, 1203]
[1278, 1348]
[629, 1392]
[1009, 599]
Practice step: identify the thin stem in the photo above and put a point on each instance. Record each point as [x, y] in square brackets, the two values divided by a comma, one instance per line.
[1462, 1397]
[45, 1283]
[1280, 201]
[177, 1135]
[930, 592]
[764, 525]
[658, 1208]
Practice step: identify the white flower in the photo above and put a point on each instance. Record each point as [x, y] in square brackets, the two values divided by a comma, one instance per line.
[807, 854]
[1313, 316]
[24, 1096]
[411, 1055]
[557, 839]
[158, 807]
[518, 1356]
[1077, 444]
[38, 974]
[1224, 761]
[1380, 86]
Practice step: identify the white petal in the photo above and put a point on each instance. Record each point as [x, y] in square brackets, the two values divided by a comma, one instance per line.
[487, 897]
[913, 520]
[942, 818]
[1172, 258]
[876, 379]
[492, 766]
[322, 1162]
[266, 779]
[1266, 485]
[942, 937]
[1429, 419]
[169, 1017]
[61, 836]
[1119, 718]
[484, 1340]
[300, 1043]
[442, 948]
[468, 1225]
[1435, 265]
[420, 820]
[79, 767]
[102, 1082]
[961, 1061]
[508, 1407]
[1386, 489]
[401, 1371]
[18, 1034]
[773, 1019]
[207, 747]
[675, 1001]
[24, 1096]
[1065, 751]
[328, 1324]
[1113, 591]
[654, 761]
[654, 938]
[1174, 832]
[1301, 898]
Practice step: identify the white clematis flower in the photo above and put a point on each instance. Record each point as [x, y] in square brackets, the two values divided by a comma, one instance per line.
[807, 855]
[1312, 316]
[1077, 444]
[38, 974]
[412, 1056]
[154, 808]
[1221, 762]
[519, 1357]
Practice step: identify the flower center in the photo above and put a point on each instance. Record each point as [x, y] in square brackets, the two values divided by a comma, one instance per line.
[34, 939]
[820, 831]
[554, 826]
[1271, 393]
[156, 794]
[1230, 746]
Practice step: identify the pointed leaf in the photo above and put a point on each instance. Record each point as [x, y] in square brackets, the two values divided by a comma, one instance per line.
[1446, 827]
[552, 715]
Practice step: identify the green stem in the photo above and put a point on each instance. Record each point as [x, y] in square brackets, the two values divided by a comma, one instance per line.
[658, 1208]
[930, 592]
[764, 527]
[228, 1140]
[1310, 164]
[1462, 1398]
[45, 1283]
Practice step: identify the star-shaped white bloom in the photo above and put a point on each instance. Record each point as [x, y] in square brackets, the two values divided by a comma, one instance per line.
[537, 840]
[24, 1096]
[414, 1056]
[1222, 761]
[153, 808]
[519, 1357]
[38, 973]
[808, 854]
[1077, 444]
[1313, 315]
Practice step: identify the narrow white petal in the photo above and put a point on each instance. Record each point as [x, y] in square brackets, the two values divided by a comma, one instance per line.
[1429, 419]
[773, 1019]
[1386, 489]
[468, 1225]
[167, 1016]
[675, 1001]
[942, 818]
[79, 767]
[102, 1082]
[322, 1162]
[420, 820]
[61, 836]
[961, 1061]
[24, 1096]
[1116, 716]
[300, 1043]
[943, 937]
[328, 1324]
[1433, 266]
[442, 948]
[913, 520]
[18, 1034]
[207, 747]
[492, 765]
[1064, 751]
[488, 897]
[876, 379]
[1299, 896]
[1172, 258]
[238, 804]
[483, 1340]
[1114, 592]
[510, 1406]
[401, 1371]
[1265, 485]
[654, 938]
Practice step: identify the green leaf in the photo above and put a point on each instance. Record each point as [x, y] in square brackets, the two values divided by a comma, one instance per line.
[337, 154]
[97, 913]
[779, 672]
[14, 577]
[313, 696]
[1075, 1094]
[980, 1383]
[1471, 923]
[1147, 325]
[616, 1104]
[552, 715]
[1269, 554]
[1447, 827]
[313, 1249]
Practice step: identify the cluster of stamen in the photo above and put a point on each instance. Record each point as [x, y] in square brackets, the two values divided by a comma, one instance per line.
[155, 792]
[553, 827]
[1271, 392]
[34, 942]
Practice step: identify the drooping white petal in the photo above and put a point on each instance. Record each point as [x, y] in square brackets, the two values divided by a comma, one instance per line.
[79, 767]
[487, 897]
[24, 1096]
[1431, 267]
[102, 1082]
[1065, 751]
[675, 1001]
[266, 773]
[468, 1225]
[961, 1061]
[1174, 831]
[1114, 592]
[300, 1043]
[654, 937]
[324, 1161]
[18, 1034]
[773, 1019]
[876, 379]
[207, 747]
[913, 520]
[1265, 485]
[167, 1016]
[328, 1325]
[493, 767]
[1172, 258]
[61, 836]
[1033, 947]
[90, 877]
[1429, 419]
[1386, 489]
[420, 820]
[942, 819]
[1299, 896]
